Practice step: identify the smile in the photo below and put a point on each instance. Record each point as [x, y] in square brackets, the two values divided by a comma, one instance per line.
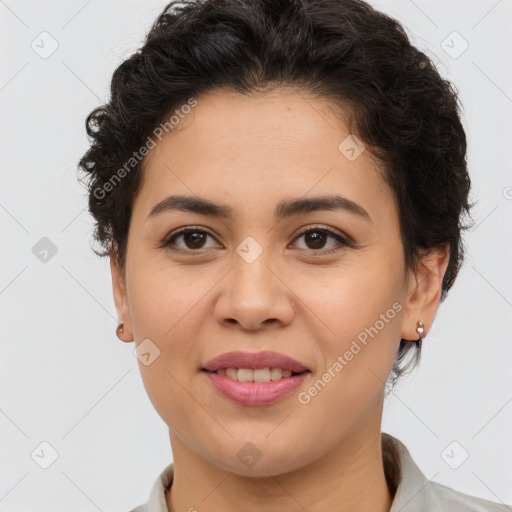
[258, 375]
[253, 392]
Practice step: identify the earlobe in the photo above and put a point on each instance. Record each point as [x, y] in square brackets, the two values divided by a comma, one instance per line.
[120, 332]
[424, 293]
[123, 330]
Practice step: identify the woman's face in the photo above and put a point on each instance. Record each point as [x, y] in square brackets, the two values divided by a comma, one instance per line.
[257, 283]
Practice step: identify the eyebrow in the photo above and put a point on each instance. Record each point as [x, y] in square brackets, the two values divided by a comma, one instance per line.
[286, 208]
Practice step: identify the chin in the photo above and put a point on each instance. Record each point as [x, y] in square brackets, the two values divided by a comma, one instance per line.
[252, 462]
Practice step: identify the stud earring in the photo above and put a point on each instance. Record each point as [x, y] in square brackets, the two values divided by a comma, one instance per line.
[420, 329]
[120, 328]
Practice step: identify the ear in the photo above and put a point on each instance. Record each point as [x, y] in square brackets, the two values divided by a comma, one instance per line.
[424, 291]
[120, 299]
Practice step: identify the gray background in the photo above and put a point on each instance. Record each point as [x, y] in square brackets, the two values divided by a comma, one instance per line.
[68, 381]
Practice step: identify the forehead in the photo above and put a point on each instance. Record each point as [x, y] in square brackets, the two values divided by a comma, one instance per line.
[254, 149]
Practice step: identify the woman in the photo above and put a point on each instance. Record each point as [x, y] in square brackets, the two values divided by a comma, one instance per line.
[279, 187]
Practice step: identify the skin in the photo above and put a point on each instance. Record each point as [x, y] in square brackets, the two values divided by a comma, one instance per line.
[250, 152]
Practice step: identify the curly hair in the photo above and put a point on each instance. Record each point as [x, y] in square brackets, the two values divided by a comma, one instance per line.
[342, 50]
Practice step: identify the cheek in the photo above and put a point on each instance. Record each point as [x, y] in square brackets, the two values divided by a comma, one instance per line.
[362, 313]
[166, 312]
[358, 296]
[161, 299]
[357, 363]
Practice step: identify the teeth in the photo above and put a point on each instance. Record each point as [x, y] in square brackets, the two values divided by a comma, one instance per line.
[245, 375]
[232, 373]
[276, 373]
[259, 375]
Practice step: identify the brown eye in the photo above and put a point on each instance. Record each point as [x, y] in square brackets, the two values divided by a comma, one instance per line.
[193, 238]
[315, 240]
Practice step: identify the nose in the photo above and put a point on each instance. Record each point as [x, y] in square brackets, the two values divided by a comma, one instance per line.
[255, 296]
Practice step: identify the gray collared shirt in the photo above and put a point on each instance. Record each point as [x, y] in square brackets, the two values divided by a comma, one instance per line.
[414, 492]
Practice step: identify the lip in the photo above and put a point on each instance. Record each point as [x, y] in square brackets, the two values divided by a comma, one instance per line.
[255, 393]
[253, 361]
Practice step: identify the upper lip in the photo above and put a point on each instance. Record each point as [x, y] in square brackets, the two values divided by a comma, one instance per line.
[254, 360]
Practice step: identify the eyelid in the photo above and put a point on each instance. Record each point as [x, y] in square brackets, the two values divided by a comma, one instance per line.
[344, 240]
[166, 242]
[330, 231]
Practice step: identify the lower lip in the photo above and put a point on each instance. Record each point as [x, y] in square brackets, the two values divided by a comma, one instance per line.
[255, 393]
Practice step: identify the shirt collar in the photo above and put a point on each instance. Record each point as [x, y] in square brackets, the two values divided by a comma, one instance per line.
[413, 492]
[411, 488]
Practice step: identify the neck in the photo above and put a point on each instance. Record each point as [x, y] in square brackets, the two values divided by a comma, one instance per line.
[350, 478]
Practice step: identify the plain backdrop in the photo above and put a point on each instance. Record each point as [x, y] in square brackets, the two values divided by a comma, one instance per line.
[66, 380]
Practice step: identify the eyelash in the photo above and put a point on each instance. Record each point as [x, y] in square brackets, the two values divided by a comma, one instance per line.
[343, 241]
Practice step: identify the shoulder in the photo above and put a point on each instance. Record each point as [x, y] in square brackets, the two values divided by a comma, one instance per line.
[416, 493]
[156, 500]
[453, 500]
